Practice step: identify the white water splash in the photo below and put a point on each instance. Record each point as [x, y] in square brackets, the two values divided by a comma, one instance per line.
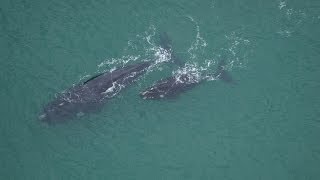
[143, 43]
[191, 70]
[146, 45]
[199, 42]
[285, 33]
[290, 19]
[282, 4]
[113, 90]
[116, 61]
[158, 54]
[194, 73]
[237, 51]
[150, 34]
[84, 77]
[235, 54]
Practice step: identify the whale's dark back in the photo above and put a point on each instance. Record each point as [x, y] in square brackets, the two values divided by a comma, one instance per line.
[169, 87]
[92, 94]
[175, 85]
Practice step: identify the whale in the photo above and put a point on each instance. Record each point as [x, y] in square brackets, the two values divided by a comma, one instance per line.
[91, 94]
[171, 87]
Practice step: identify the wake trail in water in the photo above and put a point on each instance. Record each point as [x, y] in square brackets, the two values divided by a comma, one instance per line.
[290, 19]
[200, 67]
[141, 48]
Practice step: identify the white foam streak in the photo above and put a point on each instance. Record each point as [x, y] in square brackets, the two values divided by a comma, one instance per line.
[290, 19]
[194, 73]
[115, 61]
[282, 4]
[237, 51]
[199, 42]
[113, 90]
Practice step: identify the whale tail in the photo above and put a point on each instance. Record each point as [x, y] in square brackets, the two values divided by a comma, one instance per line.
[166, 43]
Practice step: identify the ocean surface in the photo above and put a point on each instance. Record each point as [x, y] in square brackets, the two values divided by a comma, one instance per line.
[265, 125]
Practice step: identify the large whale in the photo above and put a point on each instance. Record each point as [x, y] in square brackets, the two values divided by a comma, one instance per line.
[91, 94]
[173, 86]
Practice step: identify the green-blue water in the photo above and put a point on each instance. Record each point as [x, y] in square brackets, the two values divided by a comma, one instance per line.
[265, 126]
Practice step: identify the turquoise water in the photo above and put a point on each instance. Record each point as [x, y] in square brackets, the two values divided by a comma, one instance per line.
[265, 126]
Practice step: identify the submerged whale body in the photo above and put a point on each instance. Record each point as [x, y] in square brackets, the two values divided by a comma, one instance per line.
[173, 86]
[91, 94]
[169, 87]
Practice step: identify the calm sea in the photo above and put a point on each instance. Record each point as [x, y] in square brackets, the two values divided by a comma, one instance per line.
[264, 126]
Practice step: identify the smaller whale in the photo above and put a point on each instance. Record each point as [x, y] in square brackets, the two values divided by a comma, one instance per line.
[173, 86]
